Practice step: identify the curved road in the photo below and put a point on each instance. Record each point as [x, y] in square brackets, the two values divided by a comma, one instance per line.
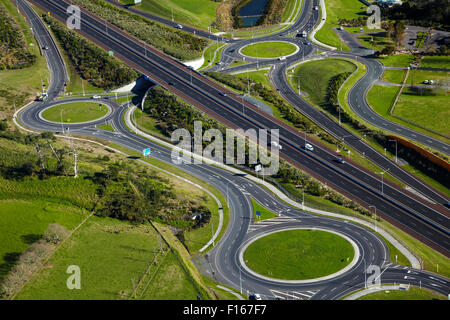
[223, 257]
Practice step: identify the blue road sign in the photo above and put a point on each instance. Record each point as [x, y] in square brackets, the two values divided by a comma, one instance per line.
[258, 213]
[147, 152]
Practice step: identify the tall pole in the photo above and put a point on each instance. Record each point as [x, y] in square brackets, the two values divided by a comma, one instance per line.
[375, 209]
[62, 126]
[396, 157]
[382, 175]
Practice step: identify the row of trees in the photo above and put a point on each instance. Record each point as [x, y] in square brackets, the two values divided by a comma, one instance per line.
[426, 13]
[90, 61]
[13, 47]
[179, 44]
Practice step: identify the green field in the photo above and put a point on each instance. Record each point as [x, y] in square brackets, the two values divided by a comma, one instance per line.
[197, 13]
[265, 213]
[315, 76]
[338, 9]
[430, 112]
[419, 76]
[23, 222]
[394, 76]
[398, 60]
[76, 112]
[299, 254]
[436, 62]
[381, 98]
[271, 49]
[111, 255]
[413, 293]
[375, 41]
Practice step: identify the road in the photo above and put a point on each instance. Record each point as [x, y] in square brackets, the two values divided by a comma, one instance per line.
[223, 257]
[205, 95]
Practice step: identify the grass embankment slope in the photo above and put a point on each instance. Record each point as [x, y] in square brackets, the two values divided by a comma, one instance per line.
[21, 85]
[299, 254]
[413, 293]
[338, 9]
[174, 42]
[197, 13]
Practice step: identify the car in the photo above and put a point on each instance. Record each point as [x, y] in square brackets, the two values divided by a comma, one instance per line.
[179, 26]
[340, 160]
[281, 58]
[96, 97]
[45, 48]
[170, 83]
[430, 82]
[276, 145]
[307, 43]
[309, 147]
[223, 94]
[254, 296]
[316, 8]
[341, 28]
[426, 82]
[447, 204]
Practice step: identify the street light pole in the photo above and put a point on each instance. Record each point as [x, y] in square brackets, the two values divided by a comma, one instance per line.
[396, 157]
[375, 208]
[62, 126]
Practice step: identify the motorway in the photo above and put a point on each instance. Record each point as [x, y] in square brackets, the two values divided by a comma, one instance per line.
[224, 257]
[414, 215]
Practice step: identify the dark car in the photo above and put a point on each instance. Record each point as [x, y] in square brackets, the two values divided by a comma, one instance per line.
[340, 160]
[223, 94]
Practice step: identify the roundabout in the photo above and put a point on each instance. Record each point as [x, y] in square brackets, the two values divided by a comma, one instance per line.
[303, 255]
[75, 112]
[269, 50]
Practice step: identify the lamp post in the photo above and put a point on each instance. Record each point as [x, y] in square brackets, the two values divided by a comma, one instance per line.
[382, 180]
[375, 209]
[62, 126]
[396, 158]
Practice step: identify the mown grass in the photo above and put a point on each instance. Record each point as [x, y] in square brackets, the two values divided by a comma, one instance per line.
[381, 98]
[375, 41]
[272, 49]
[76, 112]
[431, 112]
[264, 212]
[436, 62]
[398, 60]
[419, 76]
[315, 76]
[394, 76]
[299, 254]
[197, 13]
[413, 293]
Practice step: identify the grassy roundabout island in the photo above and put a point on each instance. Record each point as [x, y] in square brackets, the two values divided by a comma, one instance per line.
[300, 254]
[75, 112]
[271, 49]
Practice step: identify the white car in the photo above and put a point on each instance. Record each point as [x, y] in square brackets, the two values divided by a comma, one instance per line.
[276, 145]
[309, 147]
[316, 7]
[179, 26]
[96, 97]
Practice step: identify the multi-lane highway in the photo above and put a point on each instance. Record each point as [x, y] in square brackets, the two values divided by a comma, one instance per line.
[224, 258]
[420, 219]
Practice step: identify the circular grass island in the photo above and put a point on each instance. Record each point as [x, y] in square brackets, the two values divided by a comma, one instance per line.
[300, 254]
[76, 112]
[270, 49]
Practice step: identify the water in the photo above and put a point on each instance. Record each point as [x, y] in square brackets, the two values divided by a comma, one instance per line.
[253, 8]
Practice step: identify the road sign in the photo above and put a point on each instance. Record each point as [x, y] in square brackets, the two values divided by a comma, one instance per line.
[258, 213]
[258, 168]
[111, 53]
[147, 152]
